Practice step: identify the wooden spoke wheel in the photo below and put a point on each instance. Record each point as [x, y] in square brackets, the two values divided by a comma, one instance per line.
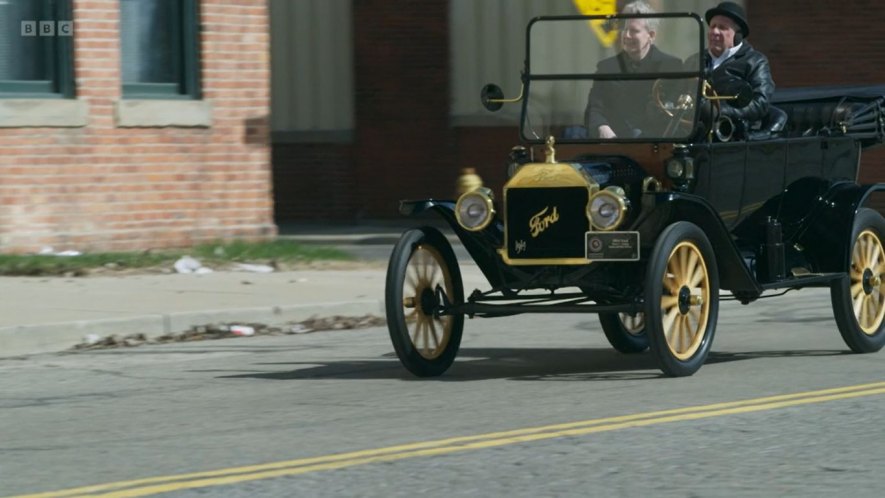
[859, 300]
[625, 332]
[682, 299]
[422, 278]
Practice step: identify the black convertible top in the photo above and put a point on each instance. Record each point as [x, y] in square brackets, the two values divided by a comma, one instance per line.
[817, 93]
[857, 111]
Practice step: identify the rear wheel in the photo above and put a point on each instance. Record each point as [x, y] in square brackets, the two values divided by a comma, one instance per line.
[681, 299]
[859, 300]
[625, 332]
[422, 270]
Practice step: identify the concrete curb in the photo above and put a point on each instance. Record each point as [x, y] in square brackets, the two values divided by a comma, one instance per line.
[383, 239]
[22, 340]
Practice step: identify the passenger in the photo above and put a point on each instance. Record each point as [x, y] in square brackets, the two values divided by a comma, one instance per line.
[729, 56]
[622, 108]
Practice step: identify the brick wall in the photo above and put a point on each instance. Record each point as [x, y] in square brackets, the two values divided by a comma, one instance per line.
[404, 144]
[313, 182]
[101, 187]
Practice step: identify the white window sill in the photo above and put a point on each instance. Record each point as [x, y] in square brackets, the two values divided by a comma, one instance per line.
[150, 113]
[49, 113]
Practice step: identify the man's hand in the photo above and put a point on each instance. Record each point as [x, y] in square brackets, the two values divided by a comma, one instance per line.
[605, 131]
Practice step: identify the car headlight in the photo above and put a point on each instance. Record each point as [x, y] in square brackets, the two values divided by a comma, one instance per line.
[475, 209]
[675, 168]
[607, 209]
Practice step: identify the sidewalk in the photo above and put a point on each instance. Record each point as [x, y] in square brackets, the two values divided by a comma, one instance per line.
[46, 314]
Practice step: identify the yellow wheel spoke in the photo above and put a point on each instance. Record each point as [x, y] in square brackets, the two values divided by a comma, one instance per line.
[427, 325]
[858, 302]
[697, 277]
[867, 252]
[434, 335]
[668, 302]
[668, 323]
[691, 268]
[694, 320]
[684, 252]
[678, 333]
[674, 271]
[413, 335]
[856, 290]
[689, 333]
[670, 284]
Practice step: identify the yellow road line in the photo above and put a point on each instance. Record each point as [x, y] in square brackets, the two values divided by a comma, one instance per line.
[163, 484]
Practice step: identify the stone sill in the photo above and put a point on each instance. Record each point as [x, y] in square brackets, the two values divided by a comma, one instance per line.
[151, 113]
[49, 113]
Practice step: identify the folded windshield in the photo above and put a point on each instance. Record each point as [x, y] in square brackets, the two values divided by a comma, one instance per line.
[623, 78]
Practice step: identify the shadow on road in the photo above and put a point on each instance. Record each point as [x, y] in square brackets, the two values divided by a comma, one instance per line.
[513, 364]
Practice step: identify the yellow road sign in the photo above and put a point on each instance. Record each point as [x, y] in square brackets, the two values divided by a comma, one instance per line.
[600, 8]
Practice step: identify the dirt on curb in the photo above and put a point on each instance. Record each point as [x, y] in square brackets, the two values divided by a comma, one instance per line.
[232, 329]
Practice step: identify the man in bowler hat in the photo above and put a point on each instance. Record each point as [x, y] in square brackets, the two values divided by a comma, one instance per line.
[730, 56]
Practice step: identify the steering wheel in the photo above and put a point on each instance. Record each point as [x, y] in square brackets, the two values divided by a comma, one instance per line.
[680, 111]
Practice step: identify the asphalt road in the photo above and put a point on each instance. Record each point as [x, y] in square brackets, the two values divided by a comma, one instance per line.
[534, 406]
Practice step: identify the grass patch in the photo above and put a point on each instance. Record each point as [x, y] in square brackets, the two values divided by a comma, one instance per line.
[215, 255]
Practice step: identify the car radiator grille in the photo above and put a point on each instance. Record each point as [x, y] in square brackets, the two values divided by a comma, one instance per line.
[546, 223]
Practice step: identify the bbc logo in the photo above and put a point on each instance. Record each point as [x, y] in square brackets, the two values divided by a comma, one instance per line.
[47, 28]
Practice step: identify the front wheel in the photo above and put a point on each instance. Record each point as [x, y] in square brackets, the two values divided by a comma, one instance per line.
[422, 270]
[681, 299]
[859, 300]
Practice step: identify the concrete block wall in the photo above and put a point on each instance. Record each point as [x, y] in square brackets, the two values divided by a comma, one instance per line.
[106, 187]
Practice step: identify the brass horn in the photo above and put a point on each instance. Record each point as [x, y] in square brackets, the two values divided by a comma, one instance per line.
[724, 129]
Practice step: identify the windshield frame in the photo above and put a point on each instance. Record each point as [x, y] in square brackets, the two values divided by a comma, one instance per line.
[528, 77]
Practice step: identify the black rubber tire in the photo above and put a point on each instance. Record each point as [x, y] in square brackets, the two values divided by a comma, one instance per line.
[840, 291]
[688, 238]
[619, 337]
[433, 363]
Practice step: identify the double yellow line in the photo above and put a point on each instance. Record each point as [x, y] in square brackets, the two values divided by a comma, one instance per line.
[234, 475]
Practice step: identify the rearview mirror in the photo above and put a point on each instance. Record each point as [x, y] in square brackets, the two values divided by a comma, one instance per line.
[492, 97]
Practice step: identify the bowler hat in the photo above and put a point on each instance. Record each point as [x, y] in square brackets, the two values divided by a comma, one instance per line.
[732, 11]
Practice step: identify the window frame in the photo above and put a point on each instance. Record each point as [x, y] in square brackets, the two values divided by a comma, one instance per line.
[59, 60]
[187, 58]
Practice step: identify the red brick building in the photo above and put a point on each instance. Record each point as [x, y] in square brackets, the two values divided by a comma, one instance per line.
[149, 130]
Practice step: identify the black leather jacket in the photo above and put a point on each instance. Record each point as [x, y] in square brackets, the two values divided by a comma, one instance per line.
[750, 65]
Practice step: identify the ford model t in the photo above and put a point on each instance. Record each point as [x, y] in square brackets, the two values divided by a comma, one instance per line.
[649, 228]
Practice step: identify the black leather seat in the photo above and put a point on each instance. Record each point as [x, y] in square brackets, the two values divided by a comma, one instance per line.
[772, 125]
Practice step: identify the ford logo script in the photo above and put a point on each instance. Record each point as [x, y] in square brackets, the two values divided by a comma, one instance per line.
[541, 221]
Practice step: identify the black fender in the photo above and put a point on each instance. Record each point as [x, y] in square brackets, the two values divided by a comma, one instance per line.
[664, 208]
[827, 236]
[482, 245]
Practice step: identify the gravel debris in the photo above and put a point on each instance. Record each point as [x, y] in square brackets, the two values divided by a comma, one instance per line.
[233, 329]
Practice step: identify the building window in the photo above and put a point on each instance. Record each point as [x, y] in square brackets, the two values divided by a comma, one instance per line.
[160, 49]
[35, 55]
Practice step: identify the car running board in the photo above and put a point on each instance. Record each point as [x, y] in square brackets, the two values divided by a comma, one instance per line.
[806, 280]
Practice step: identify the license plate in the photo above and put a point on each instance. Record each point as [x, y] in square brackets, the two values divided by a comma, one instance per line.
[612, 246]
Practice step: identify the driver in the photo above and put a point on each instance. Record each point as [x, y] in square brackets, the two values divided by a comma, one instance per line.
[730, 57]
[621, 108]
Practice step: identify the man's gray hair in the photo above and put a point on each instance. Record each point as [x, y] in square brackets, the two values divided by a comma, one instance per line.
[642, 7]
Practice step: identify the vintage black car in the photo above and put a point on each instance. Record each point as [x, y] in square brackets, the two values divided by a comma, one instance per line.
[649, 228]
